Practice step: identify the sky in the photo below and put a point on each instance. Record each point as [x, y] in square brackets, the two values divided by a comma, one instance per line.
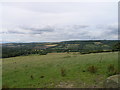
[58, 21]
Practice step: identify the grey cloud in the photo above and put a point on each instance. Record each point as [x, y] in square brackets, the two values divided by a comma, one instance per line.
[38, 30]
[112, 30]
[68, 32]
[28, 30]
[109, 29]
[80, 26]
[106, 32]
[42, 30]
[12, 32]
[15, 32]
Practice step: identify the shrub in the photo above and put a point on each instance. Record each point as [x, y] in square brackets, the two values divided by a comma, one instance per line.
[84, 52]
[92, 69]
[43, 53]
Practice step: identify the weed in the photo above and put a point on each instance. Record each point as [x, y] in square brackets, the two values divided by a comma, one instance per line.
[100, 61]
[63, 72]
[41, 76]
[32, 77]
[5, 86]
[111, 70]
[83, 70]
[67, 56]
[92, 69]
[26, 65]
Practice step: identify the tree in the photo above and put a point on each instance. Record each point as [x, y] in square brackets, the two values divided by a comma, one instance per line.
[116, 47]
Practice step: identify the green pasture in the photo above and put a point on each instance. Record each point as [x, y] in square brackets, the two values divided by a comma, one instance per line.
[57, 70]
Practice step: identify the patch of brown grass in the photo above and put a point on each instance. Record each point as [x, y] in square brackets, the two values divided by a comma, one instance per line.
[92, 69]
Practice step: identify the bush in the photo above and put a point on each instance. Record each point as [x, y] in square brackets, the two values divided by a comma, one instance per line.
[84, 52]
[92, 69]
[43, 53]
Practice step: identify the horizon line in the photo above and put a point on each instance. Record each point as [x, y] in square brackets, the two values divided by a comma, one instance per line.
[61, 41]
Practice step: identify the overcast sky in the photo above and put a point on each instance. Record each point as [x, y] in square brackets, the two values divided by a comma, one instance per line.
[52, 22]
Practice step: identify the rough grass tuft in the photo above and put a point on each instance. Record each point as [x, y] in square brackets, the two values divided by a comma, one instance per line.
[5, 86]
[111, 70]
[63, 72]
[92, 69]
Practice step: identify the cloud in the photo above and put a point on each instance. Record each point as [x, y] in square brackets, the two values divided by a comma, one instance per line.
[39, 30]
[28, 30]
[80, 26]
[65, 32]
[58, 21]
[109, 29]
[15, 32]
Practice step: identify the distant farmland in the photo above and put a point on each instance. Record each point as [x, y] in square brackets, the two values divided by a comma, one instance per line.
[84, 47]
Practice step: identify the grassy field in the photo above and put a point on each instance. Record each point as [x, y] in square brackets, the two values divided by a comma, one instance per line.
[58, 70]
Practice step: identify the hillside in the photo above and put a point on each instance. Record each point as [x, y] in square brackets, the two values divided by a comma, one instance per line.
[59, 70]
[83, 46]
[89, 46]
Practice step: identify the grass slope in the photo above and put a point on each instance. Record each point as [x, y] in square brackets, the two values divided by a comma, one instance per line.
[45, 71]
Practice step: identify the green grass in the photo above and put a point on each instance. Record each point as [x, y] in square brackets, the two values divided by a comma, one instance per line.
[45, 71]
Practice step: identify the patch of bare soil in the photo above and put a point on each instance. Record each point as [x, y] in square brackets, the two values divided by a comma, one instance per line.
[65, 85]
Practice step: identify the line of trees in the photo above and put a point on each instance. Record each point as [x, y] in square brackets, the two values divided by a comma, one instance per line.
[13, 52]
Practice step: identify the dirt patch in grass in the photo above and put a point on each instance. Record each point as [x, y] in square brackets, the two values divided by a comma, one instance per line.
[65, 85]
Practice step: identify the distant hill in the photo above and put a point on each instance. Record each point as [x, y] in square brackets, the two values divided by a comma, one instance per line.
[88, 45]
[65, 46]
